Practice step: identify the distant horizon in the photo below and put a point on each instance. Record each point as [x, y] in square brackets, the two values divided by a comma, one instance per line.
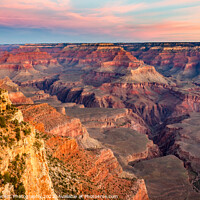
[100, 42]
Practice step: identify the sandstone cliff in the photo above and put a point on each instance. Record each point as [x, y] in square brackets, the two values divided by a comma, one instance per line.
[23, 165]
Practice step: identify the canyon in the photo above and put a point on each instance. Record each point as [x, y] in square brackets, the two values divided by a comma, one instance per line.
[114, 118]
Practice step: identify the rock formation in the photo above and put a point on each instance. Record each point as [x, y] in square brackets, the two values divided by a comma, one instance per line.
[82, 155]
[23, 165]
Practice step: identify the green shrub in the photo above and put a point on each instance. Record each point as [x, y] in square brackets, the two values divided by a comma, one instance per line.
[24, 123]
[11, 141]
[20, 189]
[17, 157]
[37, 135]
[24, 154]
[6, 177]
[27, 131]
[18, 136]
[8, 107]
[17, 129]
[13, 180]
[16, 122]
[14, 163]
[37, 145]
[2, 122]
[6, 138]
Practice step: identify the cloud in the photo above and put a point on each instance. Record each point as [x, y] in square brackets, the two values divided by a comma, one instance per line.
[175, 2]
[119, 7]
[119, 19]
[60, 5]
[169, 30]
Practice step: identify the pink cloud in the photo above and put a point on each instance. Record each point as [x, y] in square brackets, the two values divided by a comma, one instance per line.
[61, 5]
[90, 23]
[171, 30]
[120, 8]
[109, 19]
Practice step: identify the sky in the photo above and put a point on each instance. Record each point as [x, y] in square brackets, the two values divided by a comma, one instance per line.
[56, 21]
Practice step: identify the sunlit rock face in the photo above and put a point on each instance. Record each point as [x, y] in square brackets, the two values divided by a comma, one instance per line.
[23, 165]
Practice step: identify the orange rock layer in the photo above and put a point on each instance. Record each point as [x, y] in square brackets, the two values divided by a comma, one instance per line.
[98, 170]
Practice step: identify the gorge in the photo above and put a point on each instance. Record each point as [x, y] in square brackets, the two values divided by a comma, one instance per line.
[113, 119]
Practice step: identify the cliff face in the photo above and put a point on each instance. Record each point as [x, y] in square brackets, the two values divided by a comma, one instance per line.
[19, 98]
[36, 177]
[190, 103]
[28, 65]
[52, 121]
[15, 95]
[120, 130]
[177, 60]
[23, 165]
[27, 59]
[84, 162]
[181, 139]
[95, 171]
[141, 195]
[108, 118]
[140, 97]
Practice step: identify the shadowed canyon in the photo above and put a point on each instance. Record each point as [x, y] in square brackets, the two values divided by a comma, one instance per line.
[100, 119]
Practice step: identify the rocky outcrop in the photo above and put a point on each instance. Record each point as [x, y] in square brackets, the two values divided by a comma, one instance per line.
[9, 85]
[28, 66]
[19, 98]
[127, 95]
[115, 129]
[15, 95]
[141, 193]
[124, 59]
[100, 172]
[190, 103]
[43, 115]
[5, 101]
[23, 166]
[118, 95]
[108, 118]
[145, 74]
[172, 60]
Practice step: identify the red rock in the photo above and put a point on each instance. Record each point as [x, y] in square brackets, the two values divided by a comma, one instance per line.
[54, 122]
[19, 98]
[26, 60]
